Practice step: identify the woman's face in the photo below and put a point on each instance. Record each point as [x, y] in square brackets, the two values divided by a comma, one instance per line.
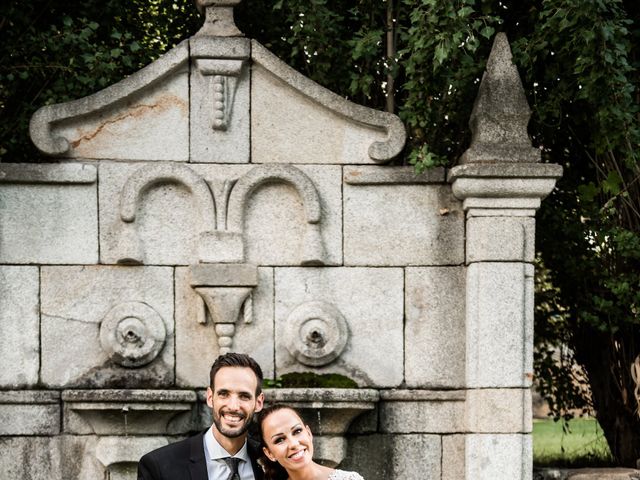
[288, 440]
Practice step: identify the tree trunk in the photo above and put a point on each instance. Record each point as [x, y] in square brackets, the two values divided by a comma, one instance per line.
[608, 368]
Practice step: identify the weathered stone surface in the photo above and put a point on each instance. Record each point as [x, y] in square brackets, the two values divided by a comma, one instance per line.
[167, 207]
[29, 412]
[19, 326]
[603, 474]
[422, 416]
[72, 173]
[393, 175]
[113, 452]
[404, 395]
[500, 113]
[271, 199]
[126, 412]
[45, 222]
[402, 225]
[75, 300]
[434, 329]
[218, 19]
[138, 118]
[29, 419]
[395, 456]
[228, 275]
[555, 473]
[499, 325]
[19, 397]
[196, 343]
[499, 457]
[78, 458]
[33, 458]
[220, 103]
[453, 457]
[295, 120]
[172, 227]
[499, 411]
[503, 186]
[508, 239]
[370, 299]
[366, 423]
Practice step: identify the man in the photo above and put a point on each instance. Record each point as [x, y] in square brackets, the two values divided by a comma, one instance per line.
[223, 452]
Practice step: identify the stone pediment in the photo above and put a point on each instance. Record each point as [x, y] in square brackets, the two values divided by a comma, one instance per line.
[218, 100]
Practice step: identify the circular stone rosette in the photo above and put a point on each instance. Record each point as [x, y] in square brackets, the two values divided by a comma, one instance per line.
[316, 333]
[132, 334]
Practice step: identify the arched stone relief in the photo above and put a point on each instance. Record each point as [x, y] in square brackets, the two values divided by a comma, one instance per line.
[139, 183]
[312, 246]
[132, 334]
[316, 333]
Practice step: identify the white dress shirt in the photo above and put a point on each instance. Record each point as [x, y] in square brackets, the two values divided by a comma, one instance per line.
[217, 469]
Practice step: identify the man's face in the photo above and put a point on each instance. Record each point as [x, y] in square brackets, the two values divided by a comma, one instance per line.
[233, 400]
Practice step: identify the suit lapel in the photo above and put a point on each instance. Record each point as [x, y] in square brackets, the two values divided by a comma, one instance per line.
[253, 448]
[197, 461]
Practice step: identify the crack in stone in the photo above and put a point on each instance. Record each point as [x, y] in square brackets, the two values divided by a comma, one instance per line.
[68, 319]
[136, 111]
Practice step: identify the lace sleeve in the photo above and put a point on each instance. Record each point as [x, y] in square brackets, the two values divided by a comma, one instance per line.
[342, 475]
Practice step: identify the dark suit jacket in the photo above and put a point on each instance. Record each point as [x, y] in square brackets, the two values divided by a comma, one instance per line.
[185, 460]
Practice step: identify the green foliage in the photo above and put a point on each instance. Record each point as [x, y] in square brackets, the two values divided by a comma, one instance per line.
[54, 51]
[444, 49]
[310, 380]
[580, 65]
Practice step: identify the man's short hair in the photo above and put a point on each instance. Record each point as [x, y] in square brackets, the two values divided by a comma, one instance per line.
[233, 359]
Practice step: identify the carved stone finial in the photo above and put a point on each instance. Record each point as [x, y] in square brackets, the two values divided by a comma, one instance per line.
[500, 113]
[218, 18]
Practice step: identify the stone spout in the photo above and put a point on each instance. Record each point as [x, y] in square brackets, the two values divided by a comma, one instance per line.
[224, 289]
[223, 304]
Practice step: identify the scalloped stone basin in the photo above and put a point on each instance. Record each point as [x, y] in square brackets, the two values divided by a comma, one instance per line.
[328, 412]
[124, 412]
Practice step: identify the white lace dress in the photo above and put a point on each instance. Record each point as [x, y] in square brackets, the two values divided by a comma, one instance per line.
[342, 475]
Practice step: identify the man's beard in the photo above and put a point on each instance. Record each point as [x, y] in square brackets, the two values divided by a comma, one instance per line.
[231, 433]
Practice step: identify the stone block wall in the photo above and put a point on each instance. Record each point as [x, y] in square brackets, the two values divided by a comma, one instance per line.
[218, 200]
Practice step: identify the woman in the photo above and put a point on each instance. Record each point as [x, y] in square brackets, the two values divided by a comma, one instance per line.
[287, 444]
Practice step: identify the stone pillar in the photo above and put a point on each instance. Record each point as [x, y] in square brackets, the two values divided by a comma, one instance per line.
[501, 184]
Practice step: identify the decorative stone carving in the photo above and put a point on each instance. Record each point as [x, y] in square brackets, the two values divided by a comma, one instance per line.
[220, 98]
[371, 299]
[127, 412]
[149, 176]
[518, 188]
[74, 304]
[500, 113]
[132, 334]
[120, 455]
[196, 340]
[292, 117]
[148, 122]
[224, 81]
[313, 248]
[224, 289]
[317, 333]
[218, 18]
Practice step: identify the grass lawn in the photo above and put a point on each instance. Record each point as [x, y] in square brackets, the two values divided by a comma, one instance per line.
[583, 445]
